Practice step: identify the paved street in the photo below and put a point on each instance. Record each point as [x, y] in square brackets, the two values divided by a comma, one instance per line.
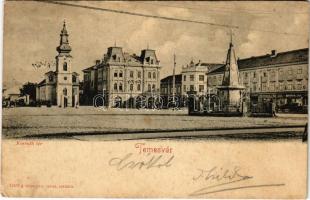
[25, 121]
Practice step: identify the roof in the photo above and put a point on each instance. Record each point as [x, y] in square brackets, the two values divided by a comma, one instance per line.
[294, 56]
[168, 79]
[42, 82]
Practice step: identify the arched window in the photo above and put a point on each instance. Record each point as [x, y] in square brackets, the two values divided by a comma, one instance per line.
[131, 87]
[65, 67]
[154, 75]
[73, 79]
[138, 87]
[65, 91]
[153, 87]
[150, 75]
[149, 87]
[115, 86]
[120, 87]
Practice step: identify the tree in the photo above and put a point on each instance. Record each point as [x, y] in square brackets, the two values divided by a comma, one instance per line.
[29, 89]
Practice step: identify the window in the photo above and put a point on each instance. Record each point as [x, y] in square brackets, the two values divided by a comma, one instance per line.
[65, 67]
[245, 74]
[299, 71]
[254, 74]
[152, 61]
[191, 87]
[254, 87]
[149, 87]
[119, 59]
[154, 75]
[115, 86]
[184, 88]
[131, 74]
[290, 72]
[149, 75]
[201, 77]
[65, 78]
[272, 86]
[191, 77]
[64, 91]
[139, 74]
[120, 74]
[50, 78]
[289, 86]
[264, 86]
[115, 74]
[138, 87]
[73, 79]
[120, 87]
[153, 87]
[299, 85]
[264, 74]
[281, 86]
[201, 88]
[184, 77]
[131, 87]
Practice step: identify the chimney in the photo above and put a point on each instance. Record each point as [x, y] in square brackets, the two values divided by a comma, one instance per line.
[97, 62]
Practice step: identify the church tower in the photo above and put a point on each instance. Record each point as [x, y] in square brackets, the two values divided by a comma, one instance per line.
[64, 71]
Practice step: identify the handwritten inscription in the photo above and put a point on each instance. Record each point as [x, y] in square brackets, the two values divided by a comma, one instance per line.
[220, 179]
[220, 174]
[142, 162]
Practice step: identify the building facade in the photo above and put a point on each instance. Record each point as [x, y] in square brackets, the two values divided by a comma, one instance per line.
[278, 77]
[194, 77]
[122, 77]
[60, 87]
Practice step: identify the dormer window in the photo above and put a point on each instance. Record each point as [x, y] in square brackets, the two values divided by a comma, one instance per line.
[73, 79]
[50, 78]
[65, 67]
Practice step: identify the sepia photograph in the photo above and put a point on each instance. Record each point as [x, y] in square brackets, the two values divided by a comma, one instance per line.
[154, 99]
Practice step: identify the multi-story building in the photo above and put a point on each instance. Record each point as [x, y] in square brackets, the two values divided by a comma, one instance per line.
[60, 87]
[280, 77]
[194, 77]
[166, 85]
[122, 77]
[166, 91]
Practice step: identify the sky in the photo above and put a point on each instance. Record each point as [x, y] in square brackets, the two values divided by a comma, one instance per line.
[31, 32]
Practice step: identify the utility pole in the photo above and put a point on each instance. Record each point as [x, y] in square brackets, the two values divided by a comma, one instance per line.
[173, 78]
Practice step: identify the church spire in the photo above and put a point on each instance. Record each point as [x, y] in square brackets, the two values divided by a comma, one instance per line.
[64, 47]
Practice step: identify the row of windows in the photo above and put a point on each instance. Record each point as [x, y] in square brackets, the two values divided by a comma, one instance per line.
[192, 77]
[273, 73]
[192, 88]
[51, 78]
[119, 87]
[281, 86]
[131, 74]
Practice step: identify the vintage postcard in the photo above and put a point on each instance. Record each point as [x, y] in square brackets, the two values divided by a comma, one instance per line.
[155, 99]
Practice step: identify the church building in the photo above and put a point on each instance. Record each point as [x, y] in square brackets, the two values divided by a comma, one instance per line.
[60, 87]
